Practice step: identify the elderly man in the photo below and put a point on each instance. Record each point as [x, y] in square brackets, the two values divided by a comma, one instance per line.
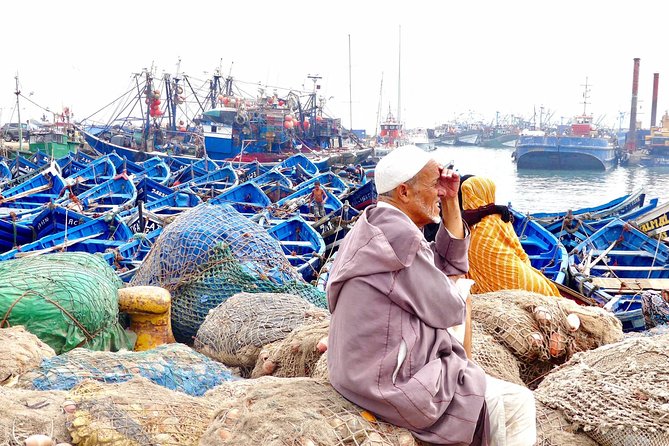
[392, 302]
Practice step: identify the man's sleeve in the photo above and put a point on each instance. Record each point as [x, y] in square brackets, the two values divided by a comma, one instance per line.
[450, 253]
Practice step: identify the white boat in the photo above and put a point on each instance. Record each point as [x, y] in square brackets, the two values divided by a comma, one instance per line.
[420, 138]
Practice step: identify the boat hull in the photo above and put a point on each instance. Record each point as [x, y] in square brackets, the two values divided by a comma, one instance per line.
[564, 153]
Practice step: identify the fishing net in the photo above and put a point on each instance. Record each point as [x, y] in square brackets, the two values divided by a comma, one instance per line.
[654, 308]
[28, 412]
[296, 355]
[174, 366]
[618, 394]
[494, 358]
[68, 300]
[136, 413]
[542, 331]
[320, 369]
[553, 429]
[297, 412]
[235, 331]
[210, 253]
[20, 351]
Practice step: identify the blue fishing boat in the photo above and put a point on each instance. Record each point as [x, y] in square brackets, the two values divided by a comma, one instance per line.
[621, 205]
[362, 196]
[615, 265]
[93, 172]
[302, 245]
[546, 253]
[157, 213]
[52, 219]
[22, 166]
[14, 233]
[126, 258]
[41, 188]
[246, 198]
[299, 166]
[150, 190]
[298, 203]
[5, 173]
[212, 183]
[94, 236]
[584, 147]
[329, 181]
[114, 194]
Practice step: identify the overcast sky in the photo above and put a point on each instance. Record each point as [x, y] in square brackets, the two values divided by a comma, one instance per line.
[458, 58]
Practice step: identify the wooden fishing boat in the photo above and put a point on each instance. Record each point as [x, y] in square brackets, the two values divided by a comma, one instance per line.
[157, 213]
[94, 172]
[302, 245]
[126, 258]
[362, 196]
[14, 233]
[212, 183]
[94, 236]
[114, 195]
[655, 223]
[246, 198]
[41, 188]
[546, 253]
[327, 180]
[554, 220]
[5, 173]
[616, 264]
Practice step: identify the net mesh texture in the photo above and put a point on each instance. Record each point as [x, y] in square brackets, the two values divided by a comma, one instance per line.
[68, 300]
[618, 394]
[174, 366]
[210, 253]
[235, 331]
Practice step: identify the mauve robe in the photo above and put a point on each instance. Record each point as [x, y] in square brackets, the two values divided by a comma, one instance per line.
[388, 285]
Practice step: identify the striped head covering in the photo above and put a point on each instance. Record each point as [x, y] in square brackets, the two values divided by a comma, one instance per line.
[497, 260]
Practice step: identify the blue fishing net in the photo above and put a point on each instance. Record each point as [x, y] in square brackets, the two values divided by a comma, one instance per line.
[174, 366]
[210, 253]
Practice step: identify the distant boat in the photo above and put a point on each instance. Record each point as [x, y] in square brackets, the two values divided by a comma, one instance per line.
[657, 145]
[420, 138]
[582, 148]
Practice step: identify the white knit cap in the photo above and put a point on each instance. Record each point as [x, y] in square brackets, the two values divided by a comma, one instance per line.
[399, 166]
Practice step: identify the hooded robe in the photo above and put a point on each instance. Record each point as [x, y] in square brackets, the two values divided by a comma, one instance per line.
[389, 349]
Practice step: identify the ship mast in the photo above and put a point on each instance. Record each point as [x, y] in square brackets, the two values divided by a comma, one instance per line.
[399, 77]
[585, 96]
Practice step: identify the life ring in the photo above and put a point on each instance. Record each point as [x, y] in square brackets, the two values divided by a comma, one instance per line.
[241, 119]
[180, 89]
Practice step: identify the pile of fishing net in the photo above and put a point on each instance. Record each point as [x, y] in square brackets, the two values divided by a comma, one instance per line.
[297, 354]
[553, 429]
[28, 412]
[20, 351]
[618, 394]
[174, 366]
[68, 300]
[136, 413]
[210, 253]
[272, 411]
[235, 331]
[539, 331]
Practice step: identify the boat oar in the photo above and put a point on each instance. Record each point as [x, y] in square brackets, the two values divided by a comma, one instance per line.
[599, 257]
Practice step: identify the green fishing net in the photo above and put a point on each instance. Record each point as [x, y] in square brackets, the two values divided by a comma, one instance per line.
[67, 300]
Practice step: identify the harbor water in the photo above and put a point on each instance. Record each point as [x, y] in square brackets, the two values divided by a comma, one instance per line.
[531, 191]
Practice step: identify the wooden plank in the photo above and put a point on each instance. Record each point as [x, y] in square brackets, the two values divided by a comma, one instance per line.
[636, 284]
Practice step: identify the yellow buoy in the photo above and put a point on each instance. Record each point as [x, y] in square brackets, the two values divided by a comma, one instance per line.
[149, 311]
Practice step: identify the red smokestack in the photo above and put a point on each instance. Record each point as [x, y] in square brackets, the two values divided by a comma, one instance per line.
[631, 135]
[653, 111]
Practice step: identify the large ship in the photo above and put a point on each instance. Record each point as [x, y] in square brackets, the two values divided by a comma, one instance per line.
[581, 147]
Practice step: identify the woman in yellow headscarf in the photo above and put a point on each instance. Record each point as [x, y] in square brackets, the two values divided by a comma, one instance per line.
[497, 260]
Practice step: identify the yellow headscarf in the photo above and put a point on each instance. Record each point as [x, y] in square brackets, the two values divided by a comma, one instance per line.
[497, 260]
